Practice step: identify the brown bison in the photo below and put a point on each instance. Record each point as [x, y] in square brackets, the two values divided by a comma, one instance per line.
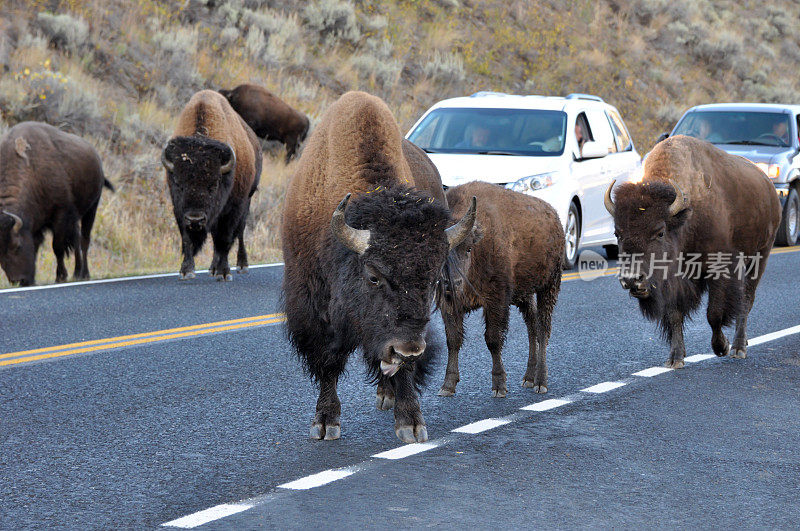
[363, 276]
[270, 117]
[513, 256]
[49, 181]
[213, 167]
[700, 220]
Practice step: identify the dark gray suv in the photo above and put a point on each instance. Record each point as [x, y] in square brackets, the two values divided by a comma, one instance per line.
[765, 134]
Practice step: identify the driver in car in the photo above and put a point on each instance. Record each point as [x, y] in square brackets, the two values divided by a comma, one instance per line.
[475, 136]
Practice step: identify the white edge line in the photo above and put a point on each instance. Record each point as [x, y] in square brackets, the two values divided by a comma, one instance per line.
[116, 279]
[546, 405]
[481, 426]
[407, 450]
[603, 387]
[774, 335]
[319, 479]
[208, 515]
[699, 357]
[652, 371]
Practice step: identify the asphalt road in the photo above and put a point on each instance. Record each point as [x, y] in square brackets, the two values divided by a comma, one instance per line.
[142, 431]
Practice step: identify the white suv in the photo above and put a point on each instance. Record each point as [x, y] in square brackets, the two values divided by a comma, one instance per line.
[566, 151]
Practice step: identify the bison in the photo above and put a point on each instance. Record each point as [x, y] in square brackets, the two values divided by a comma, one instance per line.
[700, 221]
[362, 274]
[270, 117]
[213, 165]
[49, 181]
[513, 256]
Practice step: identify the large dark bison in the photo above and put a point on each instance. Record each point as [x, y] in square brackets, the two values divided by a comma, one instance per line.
[213, 165]
[363, 276]
[49, 181]
[513, 256]
[700, 220]
[270, 117]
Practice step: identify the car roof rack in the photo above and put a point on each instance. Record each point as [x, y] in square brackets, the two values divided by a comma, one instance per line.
[579, 96]
[487, 93]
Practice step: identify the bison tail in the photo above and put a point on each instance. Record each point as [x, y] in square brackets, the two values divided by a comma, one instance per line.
[107, 184]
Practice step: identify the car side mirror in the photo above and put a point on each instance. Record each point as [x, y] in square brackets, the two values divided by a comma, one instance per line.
[593, 150]
[662, 136]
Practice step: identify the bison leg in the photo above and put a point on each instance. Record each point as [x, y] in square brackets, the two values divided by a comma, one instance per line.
[241, 253]
[409, 426]
[673, 325]
[187, 248]
[739, 349]
[65, 238]
[454, 330]
[87, 222]
[384, 396]
[724, 304]
[326, 423]
[496, 326]
[291, 148]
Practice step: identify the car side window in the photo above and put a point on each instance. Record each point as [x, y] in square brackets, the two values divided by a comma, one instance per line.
[621, 135]
[798, 128]
[583, 133]
[601, 129]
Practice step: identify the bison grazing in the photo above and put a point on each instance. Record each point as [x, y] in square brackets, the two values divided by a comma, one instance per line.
[363, 275]
[270, 117]
[513, 256]
[213, 167]
[49, 180]
[701, 220]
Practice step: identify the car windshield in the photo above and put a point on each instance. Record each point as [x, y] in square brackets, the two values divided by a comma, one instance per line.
[492, 132]
[737, 127]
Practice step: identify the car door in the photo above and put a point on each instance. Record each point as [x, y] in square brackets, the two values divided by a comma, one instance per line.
[625, 164]
[595, 179]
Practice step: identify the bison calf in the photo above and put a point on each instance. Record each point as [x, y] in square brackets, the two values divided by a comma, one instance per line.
[514, 256]
[213, 167]
[49, 180]
[270, 117]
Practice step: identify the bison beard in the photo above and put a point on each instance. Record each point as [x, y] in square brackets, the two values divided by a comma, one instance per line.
[338, 310]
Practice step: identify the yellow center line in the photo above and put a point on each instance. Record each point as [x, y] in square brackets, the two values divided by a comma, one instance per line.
[143, 341]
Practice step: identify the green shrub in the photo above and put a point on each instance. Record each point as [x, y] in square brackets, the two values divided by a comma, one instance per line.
[64, 31]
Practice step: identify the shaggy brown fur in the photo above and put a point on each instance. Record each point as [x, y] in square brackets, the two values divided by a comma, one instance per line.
[379, 300]
[514, 257]
[204, 130]
[50, 180]
[426, 176]
[270, 117]
[732, 208]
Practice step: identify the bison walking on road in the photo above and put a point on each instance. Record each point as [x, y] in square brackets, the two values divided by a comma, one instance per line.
[49, 181]
[213, 166]
[700, 220]
[270, 117]
[362, 273]
[513, 256]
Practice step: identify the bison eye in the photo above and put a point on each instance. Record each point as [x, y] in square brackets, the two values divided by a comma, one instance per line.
[469, 250]
[374, 280]
[661, 234]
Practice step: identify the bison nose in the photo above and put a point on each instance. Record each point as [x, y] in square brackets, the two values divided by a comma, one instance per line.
[195, 219]
[409, 349]
[629, 282]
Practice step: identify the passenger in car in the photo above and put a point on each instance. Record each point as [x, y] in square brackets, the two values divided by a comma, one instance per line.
[475, 135]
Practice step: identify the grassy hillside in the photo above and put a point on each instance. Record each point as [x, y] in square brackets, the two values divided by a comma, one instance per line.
[118, 72]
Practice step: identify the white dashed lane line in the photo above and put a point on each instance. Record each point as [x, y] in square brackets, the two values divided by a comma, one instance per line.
[328, 476]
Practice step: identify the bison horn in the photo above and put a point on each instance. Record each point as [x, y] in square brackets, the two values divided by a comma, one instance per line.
[680, 202]
[357, 240]
[459, 232]
[609, 203]
[168, 164]
[17, 221]
[228, 166]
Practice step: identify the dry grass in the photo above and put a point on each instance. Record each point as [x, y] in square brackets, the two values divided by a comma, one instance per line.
[131, 65]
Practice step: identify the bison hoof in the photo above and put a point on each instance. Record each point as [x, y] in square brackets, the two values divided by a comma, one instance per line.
[444, 391]
[187, 276]
[412, 434]
[677, 364]
[537, 388]
[329, 433]
[739, 353]
[383, 402]
[242, 269]
[499, 393]
[224, 278]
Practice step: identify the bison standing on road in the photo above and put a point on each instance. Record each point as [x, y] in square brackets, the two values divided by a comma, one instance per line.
[513, 256]
[49, 180]
[700, 220]
[213, 167]
[270, 117]
[363, 276]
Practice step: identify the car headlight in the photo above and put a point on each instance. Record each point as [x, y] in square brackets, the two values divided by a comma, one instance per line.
[773, 171]
[532, 183]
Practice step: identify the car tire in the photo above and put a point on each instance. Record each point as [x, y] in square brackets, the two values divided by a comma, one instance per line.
[572, 236]
[790, 220]
[612, 251]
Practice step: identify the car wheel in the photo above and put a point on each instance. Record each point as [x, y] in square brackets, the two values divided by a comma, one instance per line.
[572, 237]
[612, 251]
[790, 221]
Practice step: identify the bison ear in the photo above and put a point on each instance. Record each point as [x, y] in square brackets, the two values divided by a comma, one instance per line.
[226, 93]
[166, 159]
[477, 232]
